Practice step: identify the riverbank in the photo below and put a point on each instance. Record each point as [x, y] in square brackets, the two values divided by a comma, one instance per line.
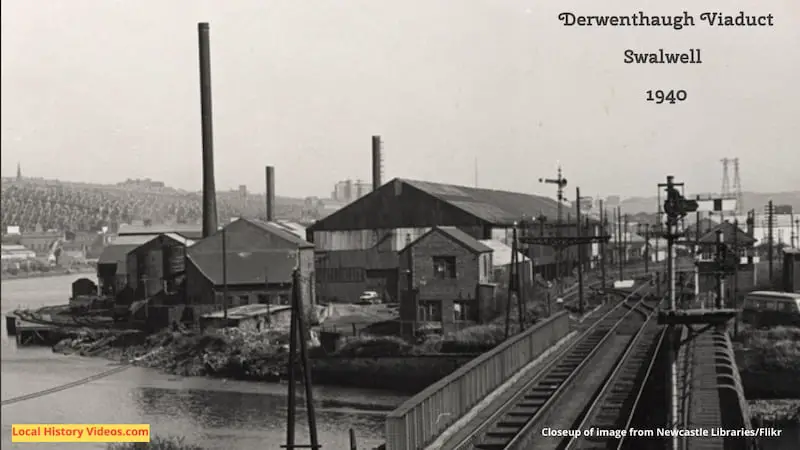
[377, 362]
[386, 363]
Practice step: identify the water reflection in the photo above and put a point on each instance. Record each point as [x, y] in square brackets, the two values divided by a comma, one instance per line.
[216, 414]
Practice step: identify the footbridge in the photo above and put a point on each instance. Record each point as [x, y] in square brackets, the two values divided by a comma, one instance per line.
[624, 377]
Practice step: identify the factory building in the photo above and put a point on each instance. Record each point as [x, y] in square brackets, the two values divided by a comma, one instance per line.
[158, 265]
[448, 281]
[357, 246]
[255, 268]
[112, 266]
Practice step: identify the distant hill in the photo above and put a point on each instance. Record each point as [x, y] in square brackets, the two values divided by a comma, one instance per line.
[62, 205]
[751, 200]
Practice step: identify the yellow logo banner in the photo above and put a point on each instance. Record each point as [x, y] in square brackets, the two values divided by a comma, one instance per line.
[62, 432]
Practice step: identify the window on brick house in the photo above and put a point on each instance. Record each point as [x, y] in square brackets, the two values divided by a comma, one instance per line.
[462, 310]
[444, 267]
[430, 311]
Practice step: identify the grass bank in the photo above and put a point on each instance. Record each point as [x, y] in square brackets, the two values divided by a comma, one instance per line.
[776, 413]
[769, 362]
[381, 362]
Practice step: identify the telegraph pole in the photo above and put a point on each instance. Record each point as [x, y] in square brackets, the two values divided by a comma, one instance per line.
[560, 183]
[224, 278]
[770, 242]
[736, 275]
[580, 248]
[297, 338]
[647, 248]
[625, 235]
[619, 243]
[603, 222]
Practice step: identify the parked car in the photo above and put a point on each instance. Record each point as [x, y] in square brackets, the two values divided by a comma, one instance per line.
[369, 298]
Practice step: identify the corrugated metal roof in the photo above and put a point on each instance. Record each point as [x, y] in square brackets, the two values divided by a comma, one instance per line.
[187, 230]
[281, 232]
[136, 240]
[116, 254]
[493, 206]
[247, 311]
[275, 266]
[501, 252]
[292, 227]
[183, 240]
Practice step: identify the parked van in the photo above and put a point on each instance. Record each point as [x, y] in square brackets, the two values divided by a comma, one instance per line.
[769, 308]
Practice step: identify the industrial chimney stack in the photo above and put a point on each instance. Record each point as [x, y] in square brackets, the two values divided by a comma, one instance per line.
[377, 162]
[209, 189]
[270, 193]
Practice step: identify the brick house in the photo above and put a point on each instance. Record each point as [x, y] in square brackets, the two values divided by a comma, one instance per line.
[447, 278]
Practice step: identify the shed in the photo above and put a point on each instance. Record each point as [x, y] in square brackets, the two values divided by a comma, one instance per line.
[259, 260]
[112, 268]
[157, 265]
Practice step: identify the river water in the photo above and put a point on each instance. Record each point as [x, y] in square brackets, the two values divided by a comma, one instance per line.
[217, 414]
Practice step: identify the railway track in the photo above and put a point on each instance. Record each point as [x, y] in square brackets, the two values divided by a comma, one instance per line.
[558, 395]
[613, 407]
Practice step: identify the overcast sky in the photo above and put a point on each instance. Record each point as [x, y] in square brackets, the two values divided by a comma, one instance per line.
[103, 90]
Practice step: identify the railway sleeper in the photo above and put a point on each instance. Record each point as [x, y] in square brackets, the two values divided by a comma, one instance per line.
[522, 412]
[517, 422]
[492, 444]
[543, 396]
[503, 432]
[537, 403]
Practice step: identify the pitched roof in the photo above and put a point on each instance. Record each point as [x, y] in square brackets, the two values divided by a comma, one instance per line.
[493, 206]
[179, 238]
[187, 230]
[116, 254]
[465, 239]
[295, 228]
[727, 228]
[280, 231]
[274, 266]
[136, 240]
[456, 235]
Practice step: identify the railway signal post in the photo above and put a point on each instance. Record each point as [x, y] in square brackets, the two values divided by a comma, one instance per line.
[675, 208]
[527, 235]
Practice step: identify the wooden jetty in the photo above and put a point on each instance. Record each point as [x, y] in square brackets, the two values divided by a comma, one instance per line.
[11, 324]
[31, 333]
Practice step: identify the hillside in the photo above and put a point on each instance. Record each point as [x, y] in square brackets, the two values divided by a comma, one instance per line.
[64, 205]
[751, 200]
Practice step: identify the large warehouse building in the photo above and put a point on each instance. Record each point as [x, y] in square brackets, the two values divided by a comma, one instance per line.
[357, 246]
